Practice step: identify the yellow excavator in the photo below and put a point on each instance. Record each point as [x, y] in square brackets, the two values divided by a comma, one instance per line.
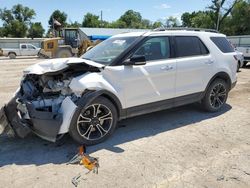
[71, 42]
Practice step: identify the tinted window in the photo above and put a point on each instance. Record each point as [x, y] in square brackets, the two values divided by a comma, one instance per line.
[155, 48]
[223, 44]
[190, 46]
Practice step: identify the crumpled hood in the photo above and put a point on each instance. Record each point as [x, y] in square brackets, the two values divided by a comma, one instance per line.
[54, 65]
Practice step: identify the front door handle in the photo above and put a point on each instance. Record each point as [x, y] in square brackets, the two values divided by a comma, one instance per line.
[167, 68]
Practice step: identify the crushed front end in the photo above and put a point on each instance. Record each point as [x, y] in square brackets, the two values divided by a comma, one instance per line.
[44, 103]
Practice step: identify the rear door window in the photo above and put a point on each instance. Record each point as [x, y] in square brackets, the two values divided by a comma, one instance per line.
[189, 46]
[223, 44]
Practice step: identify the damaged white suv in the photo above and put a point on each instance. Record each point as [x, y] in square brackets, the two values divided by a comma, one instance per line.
[127, 75]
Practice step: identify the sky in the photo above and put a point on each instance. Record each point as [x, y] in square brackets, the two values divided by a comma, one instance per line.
[112, 9]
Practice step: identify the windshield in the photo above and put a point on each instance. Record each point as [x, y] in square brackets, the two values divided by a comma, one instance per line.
[108, 50]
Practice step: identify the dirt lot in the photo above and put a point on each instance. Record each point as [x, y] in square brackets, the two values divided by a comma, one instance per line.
[182, 147]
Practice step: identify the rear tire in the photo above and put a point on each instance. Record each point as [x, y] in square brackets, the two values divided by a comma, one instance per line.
[95, 123]
[63, 53]
[12, 55]
[216, 96]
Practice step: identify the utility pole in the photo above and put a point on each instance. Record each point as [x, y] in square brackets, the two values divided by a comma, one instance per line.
[218, 19]
[101, 19]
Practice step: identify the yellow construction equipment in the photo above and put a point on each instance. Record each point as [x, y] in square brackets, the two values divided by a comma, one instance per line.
[71, 42]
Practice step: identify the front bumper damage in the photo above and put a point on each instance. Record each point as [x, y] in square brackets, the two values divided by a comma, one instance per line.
[10, 122]
[5, 127]
[45, 103]
[44, 124]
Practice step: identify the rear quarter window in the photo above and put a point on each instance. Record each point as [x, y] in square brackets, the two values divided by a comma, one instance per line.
[223, 44]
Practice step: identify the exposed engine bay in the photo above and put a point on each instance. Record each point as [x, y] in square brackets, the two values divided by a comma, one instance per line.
[45, 101]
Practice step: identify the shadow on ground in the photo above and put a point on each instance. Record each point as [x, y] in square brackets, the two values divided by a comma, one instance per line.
[35, 151]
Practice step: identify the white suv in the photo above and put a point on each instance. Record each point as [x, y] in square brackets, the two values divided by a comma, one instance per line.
[127, 75]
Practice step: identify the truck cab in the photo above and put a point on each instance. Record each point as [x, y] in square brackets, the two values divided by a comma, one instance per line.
[28, 50]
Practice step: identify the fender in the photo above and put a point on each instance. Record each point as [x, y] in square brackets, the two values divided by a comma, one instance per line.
[89, 96]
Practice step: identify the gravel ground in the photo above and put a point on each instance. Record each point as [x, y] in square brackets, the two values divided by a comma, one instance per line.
[181, 147]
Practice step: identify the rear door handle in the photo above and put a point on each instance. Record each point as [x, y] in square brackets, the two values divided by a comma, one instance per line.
[167, 68]
[209, 62]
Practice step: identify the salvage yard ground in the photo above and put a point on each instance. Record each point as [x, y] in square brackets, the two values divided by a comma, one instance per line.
[182, 147]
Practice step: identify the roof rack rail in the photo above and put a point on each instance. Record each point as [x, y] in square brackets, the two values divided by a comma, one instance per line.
[185, 29]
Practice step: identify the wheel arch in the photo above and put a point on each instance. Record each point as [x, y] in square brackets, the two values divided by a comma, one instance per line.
[12, 53]
[90, 95]
[223, 76]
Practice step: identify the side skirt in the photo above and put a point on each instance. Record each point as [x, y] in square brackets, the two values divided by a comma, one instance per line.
[161, 105]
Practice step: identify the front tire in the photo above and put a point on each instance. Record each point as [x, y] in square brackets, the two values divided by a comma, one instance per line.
[95, 123]
[216, 96]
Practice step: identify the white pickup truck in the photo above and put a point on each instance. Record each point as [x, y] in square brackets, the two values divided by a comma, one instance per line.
[242, 44]
[23, 50]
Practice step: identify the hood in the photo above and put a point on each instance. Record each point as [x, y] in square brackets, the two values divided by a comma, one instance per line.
[54, 65]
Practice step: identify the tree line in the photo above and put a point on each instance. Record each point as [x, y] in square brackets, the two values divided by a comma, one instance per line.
[228, 16]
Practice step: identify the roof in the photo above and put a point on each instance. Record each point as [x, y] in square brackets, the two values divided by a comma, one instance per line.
[108, 32]
[171, 32]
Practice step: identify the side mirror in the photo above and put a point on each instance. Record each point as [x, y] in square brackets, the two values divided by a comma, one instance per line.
[136, 60]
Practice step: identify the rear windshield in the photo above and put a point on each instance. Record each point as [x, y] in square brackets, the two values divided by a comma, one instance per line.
[223, 44]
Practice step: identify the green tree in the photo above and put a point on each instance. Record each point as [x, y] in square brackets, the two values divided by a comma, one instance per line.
[186, 19]
[240, 17]
[202, 19]
[118, 24]
[221, 9]
[1, 32]
[36, 30]
[91, 20]
[130, 19]
[59, 16]
[74, 24]
[16, 20]
[172, 22]
[145, 24]
[156, 24]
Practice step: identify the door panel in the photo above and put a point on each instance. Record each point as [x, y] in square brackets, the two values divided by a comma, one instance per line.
[194, 65]
[24, 50]
[156, 81]
[32, 50]
[193, 74]
[143, 84]
[152, 82]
